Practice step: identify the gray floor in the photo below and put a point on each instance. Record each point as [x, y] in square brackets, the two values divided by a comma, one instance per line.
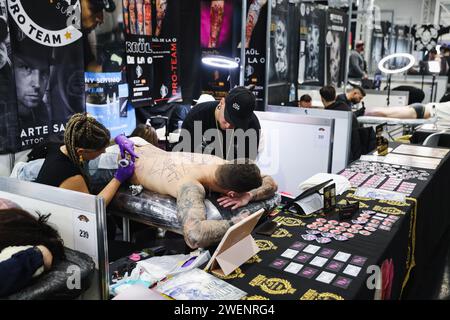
[444, 290]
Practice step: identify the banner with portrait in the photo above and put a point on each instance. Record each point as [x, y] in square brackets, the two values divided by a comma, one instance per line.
[279, 60]
[47, 63]
[9, 126]
[336, 46]
[312, 45]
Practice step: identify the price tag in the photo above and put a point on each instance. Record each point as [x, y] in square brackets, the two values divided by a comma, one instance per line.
[322, 137]
[85, 233]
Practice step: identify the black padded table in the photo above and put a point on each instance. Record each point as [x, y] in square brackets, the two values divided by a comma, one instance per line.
[53, 285]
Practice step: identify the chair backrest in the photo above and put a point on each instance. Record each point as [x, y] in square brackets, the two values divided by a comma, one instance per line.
[416, 95]
[433, 140]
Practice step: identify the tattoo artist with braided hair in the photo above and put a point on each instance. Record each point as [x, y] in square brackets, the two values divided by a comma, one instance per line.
[84, 139]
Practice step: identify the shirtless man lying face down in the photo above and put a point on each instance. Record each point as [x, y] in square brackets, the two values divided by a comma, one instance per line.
[188, 176]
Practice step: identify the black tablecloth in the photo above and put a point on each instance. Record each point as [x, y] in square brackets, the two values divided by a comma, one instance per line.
[261, 281]
[433, 222]
[411, 246]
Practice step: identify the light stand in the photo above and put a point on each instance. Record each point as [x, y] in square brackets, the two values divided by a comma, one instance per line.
[390, 71]
[434, 67]
[433, 79]
[389, 90]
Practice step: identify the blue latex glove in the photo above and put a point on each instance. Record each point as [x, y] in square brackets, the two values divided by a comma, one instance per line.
[127, 145]
[125, 172]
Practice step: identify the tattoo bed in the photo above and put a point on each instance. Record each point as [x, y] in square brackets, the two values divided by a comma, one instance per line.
[147, 207]
[160, 211]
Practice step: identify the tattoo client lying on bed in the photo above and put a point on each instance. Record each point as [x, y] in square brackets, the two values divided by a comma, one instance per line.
[189, 176]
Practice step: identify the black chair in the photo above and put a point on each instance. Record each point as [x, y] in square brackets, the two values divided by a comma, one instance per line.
[438, 139]
[416, 95]
[173, 111]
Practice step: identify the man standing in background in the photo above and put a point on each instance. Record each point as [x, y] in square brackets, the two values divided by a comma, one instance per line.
[357, 65]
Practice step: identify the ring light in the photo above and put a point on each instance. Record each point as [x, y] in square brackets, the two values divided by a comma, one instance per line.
[220, 62]
[408, 56]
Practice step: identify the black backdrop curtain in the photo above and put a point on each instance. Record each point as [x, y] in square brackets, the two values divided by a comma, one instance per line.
[190, 51]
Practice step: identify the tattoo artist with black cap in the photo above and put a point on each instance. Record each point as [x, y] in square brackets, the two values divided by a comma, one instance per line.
[91, 17]
[235, 111]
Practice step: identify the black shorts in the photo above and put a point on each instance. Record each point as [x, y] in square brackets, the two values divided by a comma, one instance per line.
[420, 110]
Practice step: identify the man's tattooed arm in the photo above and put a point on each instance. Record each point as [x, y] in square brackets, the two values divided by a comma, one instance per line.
[217, 10]
[266, 191]
[148, 17]
[198, 232]
[252, 19]
[161, 6]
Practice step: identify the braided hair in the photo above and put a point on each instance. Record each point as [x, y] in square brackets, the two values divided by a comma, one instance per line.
[83, 131]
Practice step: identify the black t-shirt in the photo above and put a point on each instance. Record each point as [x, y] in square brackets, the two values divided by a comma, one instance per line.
[355, 140]
[57, 168]
[342, 98]
[339, 106]
[231, 147]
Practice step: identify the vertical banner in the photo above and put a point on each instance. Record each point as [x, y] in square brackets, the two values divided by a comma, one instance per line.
[336, 48]
[138, 50]
[216, 35]
[105, 62]
[47, 62]
[279, 61]
[107, 101]
[403, 45]
[9, 129]
[166, 76]
[312, 45]
[152, 32]
[377, 50]
[255, 49]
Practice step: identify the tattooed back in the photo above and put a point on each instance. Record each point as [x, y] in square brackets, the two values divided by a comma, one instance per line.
[165, 172]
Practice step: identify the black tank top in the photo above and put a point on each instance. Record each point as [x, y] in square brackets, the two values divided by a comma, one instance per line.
[57, 168]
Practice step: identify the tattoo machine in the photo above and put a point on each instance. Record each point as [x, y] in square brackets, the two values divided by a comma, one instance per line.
[124, 163]
[136, 189]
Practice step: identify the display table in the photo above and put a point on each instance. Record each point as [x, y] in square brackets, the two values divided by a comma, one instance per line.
[262, 280]
[401, 247]
[405, 254]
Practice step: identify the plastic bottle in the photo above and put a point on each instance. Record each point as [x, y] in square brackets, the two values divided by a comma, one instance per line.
[292, 93]
[174, 137]
[377, 81]
[179, 125]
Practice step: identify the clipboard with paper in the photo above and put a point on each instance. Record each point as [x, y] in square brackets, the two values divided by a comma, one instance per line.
[308, 201]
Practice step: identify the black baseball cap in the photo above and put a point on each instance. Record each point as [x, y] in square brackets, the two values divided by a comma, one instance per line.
[239, 106]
